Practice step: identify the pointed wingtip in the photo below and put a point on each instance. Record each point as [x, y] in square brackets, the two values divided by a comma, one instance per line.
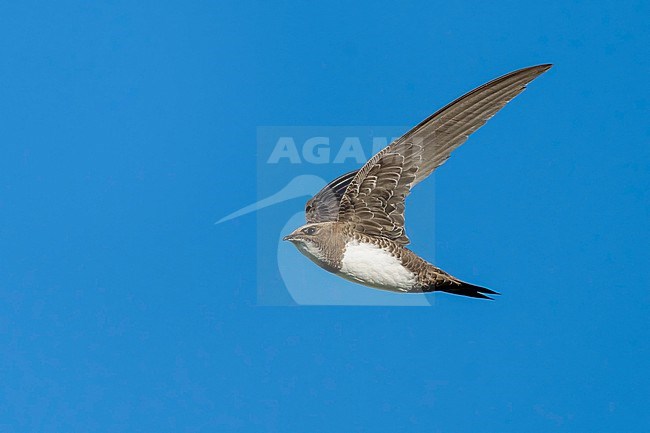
[531, 72]
[540, 69]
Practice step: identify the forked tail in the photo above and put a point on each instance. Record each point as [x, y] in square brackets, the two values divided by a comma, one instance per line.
[465, 289]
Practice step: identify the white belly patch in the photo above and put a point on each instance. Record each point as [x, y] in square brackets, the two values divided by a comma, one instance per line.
[368, 264]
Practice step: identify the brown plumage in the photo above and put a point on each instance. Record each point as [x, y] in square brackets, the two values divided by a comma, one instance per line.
[356, 223]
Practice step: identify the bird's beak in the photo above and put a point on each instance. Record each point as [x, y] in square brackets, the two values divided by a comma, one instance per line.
[291, 237]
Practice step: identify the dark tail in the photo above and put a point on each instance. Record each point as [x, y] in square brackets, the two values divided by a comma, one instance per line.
[465, 289]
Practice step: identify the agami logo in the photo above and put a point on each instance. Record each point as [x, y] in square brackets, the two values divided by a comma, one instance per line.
[318, 150]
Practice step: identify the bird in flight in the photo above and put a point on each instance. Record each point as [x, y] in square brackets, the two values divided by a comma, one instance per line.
[355, 224]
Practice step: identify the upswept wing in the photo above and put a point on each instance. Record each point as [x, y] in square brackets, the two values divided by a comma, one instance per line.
[324, 206]
[373, 201]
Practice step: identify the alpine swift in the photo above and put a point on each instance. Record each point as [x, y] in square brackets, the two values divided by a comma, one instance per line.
[355, 225]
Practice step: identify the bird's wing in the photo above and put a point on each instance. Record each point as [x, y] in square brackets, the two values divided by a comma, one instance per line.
[324, 206]
[374, 199]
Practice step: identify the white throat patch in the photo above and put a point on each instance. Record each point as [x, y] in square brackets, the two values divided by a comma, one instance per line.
[310, 250]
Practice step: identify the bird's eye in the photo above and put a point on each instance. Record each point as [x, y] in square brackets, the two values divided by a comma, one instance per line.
[309, 231]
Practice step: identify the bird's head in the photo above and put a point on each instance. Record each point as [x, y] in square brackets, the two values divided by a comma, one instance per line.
[309, 233]
[313, 239]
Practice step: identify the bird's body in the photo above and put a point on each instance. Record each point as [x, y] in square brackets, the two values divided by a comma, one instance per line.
[377, 262]
[355, 225]
[372, 261]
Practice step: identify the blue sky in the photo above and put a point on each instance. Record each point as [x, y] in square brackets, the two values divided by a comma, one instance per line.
[128, 128]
